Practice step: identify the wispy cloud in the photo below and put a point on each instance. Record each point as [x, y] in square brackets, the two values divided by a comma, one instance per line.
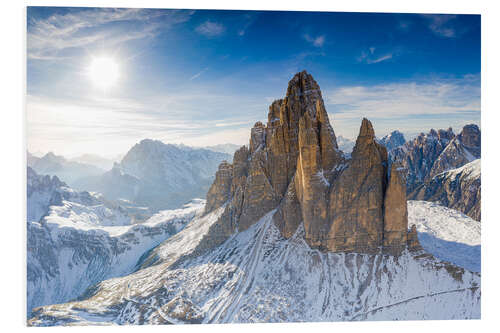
[317, 41]
[248, 19]
[48, 38]
[211, 29]
[442, 25]
[198, 74]
[445, 100]
[437, 96]
[370, 56]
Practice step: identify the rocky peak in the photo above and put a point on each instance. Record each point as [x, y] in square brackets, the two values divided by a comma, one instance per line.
[220, 190]
[293, 165]
[471, 136]
[257, 136]
[393, 140]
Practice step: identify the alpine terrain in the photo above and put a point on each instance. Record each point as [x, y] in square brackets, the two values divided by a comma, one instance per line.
[158, 175]
[430, 154]
[76, 239]
[293, 229]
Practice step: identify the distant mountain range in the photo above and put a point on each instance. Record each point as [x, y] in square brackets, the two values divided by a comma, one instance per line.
[66, 170]
[96, 160]
[157, 175]
[437, 151]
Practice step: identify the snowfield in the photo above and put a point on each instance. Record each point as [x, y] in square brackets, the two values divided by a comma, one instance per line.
[258, 276]
[446, 233]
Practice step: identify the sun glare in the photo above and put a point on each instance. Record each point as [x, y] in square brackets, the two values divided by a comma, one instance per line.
[104, 72]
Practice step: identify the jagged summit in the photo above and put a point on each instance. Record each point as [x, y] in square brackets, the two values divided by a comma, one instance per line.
[293, 166]
[393, 140]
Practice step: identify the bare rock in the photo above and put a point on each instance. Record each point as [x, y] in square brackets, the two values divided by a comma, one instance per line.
[412, 242]
[395, 213]
[357, 197]
[220, 190]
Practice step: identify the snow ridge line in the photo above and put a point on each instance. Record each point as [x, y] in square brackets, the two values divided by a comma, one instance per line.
[411, 299]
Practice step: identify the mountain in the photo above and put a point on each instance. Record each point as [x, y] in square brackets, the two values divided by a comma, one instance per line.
[77, 239]
[292, 230]
[226, 148]
[158, 175]
[392, 140]
[346, 145]
[459, 189]
[96, 160]
[68, 171]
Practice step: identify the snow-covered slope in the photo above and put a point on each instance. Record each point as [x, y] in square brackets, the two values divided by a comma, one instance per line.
[258, 276]
[446, 233]
[76, 239]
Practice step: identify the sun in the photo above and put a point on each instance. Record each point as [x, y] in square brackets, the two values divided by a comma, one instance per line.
[104, 72]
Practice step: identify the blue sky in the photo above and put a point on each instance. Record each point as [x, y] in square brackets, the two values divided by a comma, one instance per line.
[205, 77]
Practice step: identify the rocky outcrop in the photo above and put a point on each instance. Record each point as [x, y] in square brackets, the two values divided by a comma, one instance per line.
[220, 190]
[464, 148]
[395, 212]
[293, 166]
[459, 189]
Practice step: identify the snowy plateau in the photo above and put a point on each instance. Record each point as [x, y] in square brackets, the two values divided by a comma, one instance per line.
[258, 276]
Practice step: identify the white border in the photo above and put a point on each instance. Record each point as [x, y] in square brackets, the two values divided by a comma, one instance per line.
[13, 172]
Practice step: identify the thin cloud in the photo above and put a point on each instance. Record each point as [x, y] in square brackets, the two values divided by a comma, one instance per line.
[442, 25]
[317, 41]
[248, 20]
[404, 99]
[409, 107]
[48, 38]
[211, 29]
[371, 58]
[198, 74]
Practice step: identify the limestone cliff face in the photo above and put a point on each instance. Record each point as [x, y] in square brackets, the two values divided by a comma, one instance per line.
[220, 190]
[293, 166]
[395, 211]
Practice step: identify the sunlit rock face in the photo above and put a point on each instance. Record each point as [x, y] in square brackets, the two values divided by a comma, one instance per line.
[293, 164]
